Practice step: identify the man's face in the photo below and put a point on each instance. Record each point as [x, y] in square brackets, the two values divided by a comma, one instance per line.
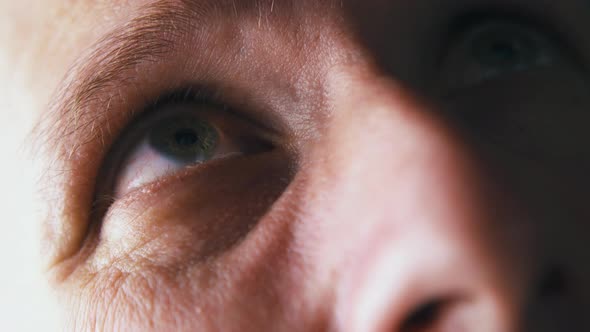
[313, 165]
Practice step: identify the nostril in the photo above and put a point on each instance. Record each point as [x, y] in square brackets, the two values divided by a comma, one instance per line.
[425, 317]
[553, 284]
[556, 304]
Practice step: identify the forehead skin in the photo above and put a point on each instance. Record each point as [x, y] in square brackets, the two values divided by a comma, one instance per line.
[43, 38]
[40, 40]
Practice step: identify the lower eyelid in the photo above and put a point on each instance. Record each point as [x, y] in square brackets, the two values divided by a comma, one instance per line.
[192, 204]
[146, 166]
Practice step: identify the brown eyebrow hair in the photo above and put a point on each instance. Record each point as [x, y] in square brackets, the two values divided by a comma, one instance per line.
[148, 37]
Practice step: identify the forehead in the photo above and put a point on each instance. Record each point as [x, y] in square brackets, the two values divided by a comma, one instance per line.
[34, 17]
[59, 21]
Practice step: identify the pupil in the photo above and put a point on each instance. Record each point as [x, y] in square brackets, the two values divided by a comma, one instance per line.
[503, 51]
[185, 137]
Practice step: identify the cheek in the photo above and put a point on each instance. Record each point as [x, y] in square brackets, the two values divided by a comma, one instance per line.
[193, 217]
[186, 252]
[553, 121]
[528, 117]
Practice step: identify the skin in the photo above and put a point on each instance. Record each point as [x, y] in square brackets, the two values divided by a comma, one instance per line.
[395, 197]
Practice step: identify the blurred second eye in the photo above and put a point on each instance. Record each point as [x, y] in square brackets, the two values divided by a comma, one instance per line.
[493, 48]
[181, 135]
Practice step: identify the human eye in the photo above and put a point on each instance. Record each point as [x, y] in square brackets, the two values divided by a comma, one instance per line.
[485, 46]
[181, 133]
[188, 166]
[515, 82]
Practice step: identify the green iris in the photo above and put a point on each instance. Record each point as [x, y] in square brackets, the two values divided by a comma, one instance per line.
[184, 139]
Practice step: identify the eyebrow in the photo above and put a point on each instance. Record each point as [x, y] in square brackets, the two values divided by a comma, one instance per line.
[148, 37]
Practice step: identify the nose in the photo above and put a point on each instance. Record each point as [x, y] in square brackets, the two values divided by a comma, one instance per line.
[412, 231]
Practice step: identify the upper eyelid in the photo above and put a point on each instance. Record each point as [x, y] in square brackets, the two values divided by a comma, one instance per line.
[197, 96]
[216, 97]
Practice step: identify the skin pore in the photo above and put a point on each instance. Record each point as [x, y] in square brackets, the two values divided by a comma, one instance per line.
[375, 165]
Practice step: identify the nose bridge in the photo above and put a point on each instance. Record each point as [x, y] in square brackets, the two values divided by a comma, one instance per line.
[403, 213]
[390, 153]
